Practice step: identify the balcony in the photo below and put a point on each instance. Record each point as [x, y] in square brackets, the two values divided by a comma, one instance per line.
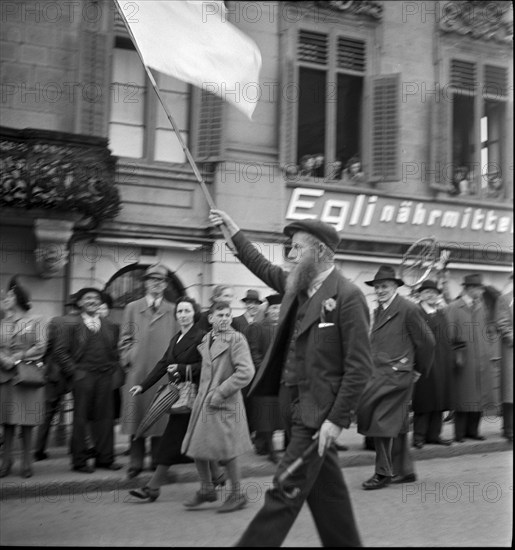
[63, 182]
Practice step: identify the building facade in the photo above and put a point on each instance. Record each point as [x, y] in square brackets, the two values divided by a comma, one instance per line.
[391, 120]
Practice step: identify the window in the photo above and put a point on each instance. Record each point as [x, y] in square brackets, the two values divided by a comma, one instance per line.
[325, 133]
[479, 95]
[139, 126]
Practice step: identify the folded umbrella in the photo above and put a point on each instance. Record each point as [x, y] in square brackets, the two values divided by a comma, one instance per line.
[165, 397]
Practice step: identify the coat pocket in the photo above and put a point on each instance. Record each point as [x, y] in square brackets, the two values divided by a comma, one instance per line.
[402, 365]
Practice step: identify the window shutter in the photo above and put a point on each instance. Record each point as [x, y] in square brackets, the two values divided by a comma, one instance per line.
[288, 126]
[495, 83]
[351, 54]
[313, 47]
[385, 127]
[463, 75]
[208, 126]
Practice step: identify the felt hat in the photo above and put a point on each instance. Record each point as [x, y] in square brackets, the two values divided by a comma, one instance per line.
[385, 273]
[429, 284]
[252, 296]
[156, 269]
[473, 279]
[274, 299]
[80, 293]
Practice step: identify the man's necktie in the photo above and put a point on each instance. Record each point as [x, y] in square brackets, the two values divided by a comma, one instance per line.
[153, 307]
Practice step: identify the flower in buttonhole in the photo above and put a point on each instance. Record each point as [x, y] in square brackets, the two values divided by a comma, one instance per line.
[327, 306]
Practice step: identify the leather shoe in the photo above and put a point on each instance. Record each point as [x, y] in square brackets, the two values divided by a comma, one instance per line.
[84, 469]
[408, 478]
[459, 439]
[5, 470]
[146, 493]
[418, 444]
[440, 441]
[476, 437]
[133, 472]
[112, 466]
[377, 481]
[26, 472]
[40, 455]
[340, 447]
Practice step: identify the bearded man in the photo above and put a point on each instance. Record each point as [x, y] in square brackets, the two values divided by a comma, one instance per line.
[319, 363]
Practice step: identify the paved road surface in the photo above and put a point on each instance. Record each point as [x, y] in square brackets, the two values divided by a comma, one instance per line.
[457, 501]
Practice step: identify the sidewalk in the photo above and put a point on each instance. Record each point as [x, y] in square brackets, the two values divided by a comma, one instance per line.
[53, 477]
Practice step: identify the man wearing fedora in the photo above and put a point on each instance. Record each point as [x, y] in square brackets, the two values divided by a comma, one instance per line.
[88, 349]
[431, 393]
[402, 350]
[148, 325]
[319, 361]
[472, 375]
[252, 303]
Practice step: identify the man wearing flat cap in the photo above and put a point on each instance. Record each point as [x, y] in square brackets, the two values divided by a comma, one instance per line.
[147, 327]
[402, 350]
[88, 349]
[319, 362]
[472, 374]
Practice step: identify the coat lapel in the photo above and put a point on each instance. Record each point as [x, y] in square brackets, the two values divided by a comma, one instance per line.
[220, 344]
[391, 311]
[328, 289]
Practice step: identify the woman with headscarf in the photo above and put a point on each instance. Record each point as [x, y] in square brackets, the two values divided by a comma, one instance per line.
[22, 337]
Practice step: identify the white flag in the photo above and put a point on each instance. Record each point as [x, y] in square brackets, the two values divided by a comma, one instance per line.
[194, 42]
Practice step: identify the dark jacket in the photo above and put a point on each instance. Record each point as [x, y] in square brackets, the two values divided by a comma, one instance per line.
[183, 353]
[401, 343]
[333, 362]
[71, 347]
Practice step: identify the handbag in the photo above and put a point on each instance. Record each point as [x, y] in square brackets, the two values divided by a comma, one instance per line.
[30, 374]
[187, 393]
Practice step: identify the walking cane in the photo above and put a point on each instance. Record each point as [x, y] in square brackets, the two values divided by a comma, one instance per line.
[294, 466]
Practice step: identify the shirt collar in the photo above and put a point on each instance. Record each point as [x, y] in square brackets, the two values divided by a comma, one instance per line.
[318, 281]
[427, 308]
[150, 300]
[467, 299]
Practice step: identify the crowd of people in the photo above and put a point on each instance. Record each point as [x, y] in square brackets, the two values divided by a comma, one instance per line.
[306, 360]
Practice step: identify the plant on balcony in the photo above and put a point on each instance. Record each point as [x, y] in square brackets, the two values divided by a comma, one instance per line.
[41, 170]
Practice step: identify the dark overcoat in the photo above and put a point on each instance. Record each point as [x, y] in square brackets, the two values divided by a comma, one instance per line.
[473, 375]
[432, 392]
[333, 359]
[401, 343]
[184, 353]
[504, 320]
[263, 410]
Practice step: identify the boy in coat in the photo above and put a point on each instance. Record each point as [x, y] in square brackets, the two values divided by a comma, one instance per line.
[218, 429]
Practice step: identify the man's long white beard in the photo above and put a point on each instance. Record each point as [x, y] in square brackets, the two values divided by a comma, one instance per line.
[300, 277]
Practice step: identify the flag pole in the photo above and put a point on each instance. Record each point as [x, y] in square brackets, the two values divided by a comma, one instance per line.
[191, 160]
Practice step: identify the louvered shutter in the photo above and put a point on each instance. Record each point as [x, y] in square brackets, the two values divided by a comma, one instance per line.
[289, 117]
[385, 127]
[351, 54]
[463, 75]
[207, 126]
[312, 47]
[495, 84]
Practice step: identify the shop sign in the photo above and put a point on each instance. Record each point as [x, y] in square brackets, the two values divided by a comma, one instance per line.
[373, 215]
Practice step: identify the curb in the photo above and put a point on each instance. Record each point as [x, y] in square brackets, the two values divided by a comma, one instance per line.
[50, 487]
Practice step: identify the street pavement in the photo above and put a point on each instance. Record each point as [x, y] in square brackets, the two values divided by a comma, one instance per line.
[55, 477]
[459, 501]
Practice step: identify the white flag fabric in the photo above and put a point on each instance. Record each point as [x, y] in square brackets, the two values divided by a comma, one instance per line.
[194, 42]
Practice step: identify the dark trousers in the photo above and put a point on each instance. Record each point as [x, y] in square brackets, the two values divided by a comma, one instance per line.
[321, 484]
[93, 407]
[53, 397]
[393, 456]
[427, 427]
[507, 420]
[466, 424]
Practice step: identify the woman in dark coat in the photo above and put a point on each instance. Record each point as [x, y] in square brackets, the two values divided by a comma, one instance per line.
[431, 393]
[181, 353]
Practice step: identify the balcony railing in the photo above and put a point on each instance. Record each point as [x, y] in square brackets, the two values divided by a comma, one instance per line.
[58, 173]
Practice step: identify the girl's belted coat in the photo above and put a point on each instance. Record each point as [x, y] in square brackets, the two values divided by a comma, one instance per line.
[221, 432]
